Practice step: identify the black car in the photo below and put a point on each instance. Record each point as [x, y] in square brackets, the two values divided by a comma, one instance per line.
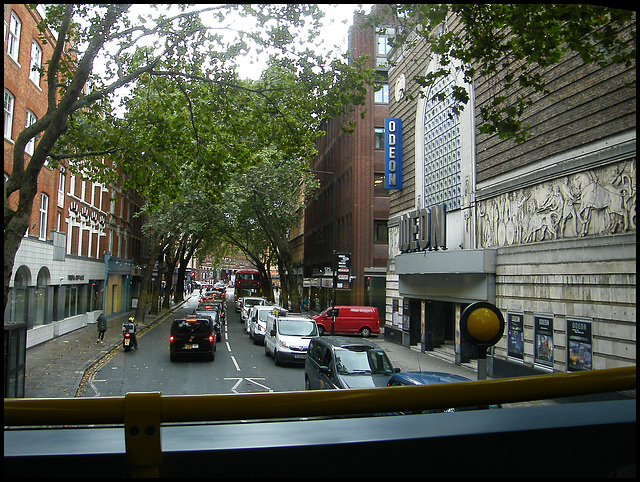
[212, 313]
[344, 362]
[192, 336]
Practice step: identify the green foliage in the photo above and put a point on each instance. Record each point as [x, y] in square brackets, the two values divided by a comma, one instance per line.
[510, 45]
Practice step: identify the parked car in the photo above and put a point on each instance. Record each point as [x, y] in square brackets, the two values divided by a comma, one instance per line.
[192, 336]
[343, 362]
[430, 378]
[212, 312]
[258, 321]
[247, 303]
[349, 319]
[287, 337]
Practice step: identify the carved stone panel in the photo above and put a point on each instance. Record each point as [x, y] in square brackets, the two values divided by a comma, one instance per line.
[596, 202]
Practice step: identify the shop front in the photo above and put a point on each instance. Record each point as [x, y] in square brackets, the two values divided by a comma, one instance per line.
[433, 289]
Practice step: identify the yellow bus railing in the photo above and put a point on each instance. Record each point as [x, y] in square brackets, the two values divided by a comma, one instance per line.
[143, 413]
[191, 408]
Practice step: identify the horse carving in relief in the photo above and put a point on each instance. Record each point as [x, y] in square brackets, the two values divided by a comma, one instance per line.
[608, 199]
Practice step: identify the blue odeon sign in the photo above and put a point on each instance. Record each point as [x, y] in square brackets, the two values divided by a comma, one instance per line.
[393, 153]
[424, 229]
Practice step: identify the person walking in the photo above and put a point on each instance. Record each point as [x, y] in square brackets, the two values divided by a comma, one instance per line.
[102, 327]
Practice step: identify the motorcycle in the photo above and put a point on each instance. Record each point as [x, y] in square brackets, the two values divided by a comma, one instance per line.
[129, 336]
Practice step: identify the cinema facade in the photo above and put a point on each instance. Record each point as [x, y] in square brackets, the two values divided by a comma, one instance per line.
[545, 229]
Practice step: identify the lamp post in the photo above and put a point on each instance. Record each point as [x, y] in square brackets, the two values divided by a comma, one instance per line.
[333, 258]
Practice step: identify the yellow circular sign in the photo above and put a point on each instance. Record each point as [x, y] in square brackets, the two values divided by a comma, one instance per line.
[483, 324]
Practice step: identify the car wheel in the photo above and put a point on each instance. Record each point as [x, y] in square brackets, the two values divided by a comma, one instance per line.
[212, 356]
[365, 332]
[307, 385]
[266, 350]
[275, 357]
[172, 357]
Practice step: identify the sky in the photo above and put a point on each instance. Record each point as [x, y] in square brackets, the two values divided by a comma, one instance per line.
[338, 19]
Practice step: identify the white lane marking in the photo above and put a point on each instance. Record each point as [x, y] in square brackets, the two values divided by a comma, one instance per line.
[250, 380]
[233, 359]
[253, 380]
[239, 380]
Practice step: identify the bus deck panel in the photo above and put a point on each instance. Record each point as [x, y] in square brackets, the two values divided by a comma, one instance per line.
[596, 439]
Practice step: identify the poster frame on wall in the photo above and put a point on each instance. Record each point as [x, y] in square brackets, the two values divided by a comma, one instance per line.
[579, 344]
[515, 335]
[543, 343]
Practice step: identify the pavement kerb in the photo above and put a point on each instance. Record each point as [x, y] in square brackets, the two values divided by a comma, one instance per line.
[95, 363]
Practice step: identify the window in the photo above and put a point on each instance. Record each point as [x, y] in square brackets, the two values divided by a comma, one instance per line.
[61, 180]
[31, 119]
[382, 94]
[36, 63]
[13, 40]
[380, 232]
[44, 209]
[8, 113]
[71, 301]
[378, 185]
[442, 153]
[378, 138]
[383, 48]
[42, 294]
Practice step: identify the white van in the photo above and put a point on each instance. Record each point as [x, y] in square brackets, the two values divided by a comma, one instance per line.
[287, 337]
[258, 321]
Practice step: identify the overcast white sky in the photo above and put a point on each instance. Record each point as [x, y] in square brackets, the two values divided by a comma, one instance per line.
[338, 19]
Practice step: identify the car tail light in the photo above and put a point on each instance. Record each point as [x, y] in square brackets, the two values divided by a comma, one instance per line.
[127, 335]
[171, 338]
[210, 338]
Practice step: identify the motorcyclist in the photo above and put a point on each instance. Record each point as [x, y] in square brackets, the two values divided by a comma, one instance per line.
[132, 331]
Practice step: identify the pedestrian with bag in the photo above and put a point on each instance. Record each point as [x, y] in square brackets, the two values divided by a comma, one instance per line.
[102, 327]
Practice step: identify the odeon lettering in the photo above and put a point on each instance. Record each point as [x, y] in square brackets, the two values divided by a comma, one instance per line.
[424, 229]
[393, 153]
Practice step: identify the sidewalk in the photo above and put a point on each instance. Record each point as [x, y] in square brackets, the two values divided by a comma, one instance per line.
[54, 369]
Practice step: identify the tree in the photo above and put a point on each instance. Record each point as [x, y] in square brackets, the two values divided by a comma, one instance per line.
[512, 41]
[267, 201]
[183, 50]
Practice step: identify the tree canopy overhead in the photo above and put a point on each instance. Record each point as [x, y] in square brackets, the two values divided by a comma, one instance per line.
[100, 49]
[513, 42]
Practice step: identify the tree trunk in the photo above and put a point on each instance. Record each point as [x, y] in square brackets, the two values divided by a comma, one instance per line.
[13, 235]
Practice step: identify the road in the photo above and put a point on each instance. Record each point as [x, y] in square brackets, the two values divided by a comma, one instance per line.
[239, 366]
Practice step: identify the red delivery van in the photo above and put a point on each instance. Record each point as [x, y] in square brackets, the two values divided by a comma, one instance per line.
[350, 319]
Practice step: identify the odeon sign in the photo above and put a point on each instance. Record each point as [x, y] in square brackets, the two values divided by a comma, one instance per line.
[424, 229]
[393, 153]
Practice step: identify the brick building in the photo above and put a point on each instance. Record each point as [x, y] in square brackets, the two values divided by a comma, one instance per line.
[77, 257]
[545, 229]
[350, 168]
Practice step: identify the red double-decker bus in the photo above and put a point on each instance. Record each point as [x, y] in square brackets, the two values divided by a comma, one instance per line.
[247, 283]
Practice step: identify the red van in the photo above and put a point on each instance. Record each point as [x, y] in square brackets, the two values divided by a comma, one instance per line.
[350, 319]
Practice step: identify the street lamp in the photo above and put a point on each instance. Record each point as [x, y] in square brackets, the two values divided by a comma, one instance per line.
[333, 259]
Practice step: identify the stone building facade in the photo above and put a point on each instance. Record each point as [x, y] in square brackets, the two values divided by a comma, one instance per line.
[545, 229]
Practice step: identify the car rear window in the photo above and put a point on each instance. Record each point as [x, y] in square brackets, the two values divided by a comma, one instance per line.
[190, 326]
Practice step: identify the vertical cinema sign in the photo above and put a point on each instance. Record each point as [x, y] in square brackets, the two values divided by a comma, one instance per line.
[393, 153]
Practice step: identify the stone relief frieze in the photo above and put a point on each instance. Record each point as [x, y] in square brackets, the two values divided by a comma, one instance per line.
[601, 201]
